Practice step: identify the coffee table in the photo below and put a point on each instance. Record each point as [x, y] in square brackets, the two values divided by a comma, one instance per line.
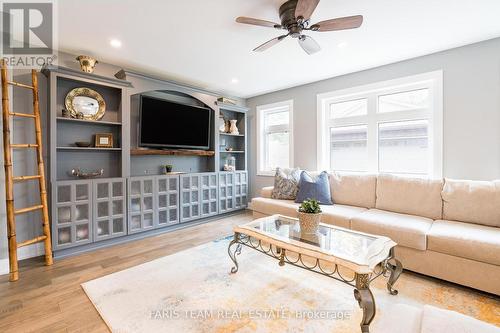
[367, 256]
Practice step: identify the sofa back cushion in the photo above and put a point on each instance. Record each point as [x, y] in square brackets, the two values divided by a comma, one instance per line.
[353, 190]
[412, 196]
[472, 201]
[317, 188]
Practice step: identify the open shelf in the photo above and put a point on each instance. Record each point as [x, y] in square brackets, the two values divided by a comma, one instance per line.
[87, 149]
[229, 134]
[176, 152]
[93, 122]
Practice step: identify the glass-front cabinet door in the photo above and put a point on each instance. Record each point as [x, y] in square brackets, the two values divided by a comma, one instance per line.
[71, 223]
[226, 191]
[190, 197]
[109, 208]
[141, 203]
[240, 189]
[167, 189]
[208, 194]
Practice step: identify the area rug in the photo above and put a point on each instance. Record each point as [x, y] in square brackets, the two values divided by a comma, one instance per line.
[192, 291]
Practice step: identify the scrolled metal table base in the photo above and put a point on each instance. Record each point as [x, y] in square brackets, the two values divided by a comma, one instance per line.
[360, 282]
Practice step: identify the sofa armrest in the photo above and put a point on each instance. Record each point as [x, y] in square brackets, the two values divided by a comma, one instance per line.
[266, 191]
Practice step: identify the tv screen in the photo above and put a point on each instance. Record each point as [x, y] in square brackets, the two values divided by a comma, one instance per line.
[169, 124]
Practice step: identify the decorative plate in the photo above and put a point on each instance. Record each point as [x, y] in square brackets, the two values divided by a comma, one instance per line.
[85, 103]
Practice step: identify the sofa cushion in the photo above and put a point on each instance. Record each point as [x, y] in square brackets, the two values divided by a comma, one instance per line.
[472, 201]
[266, 192]
[466, 240]
[353, 190]
[413, 196]
[286, 183]
[406, 230]
[317, 188]
[270, 206]
[339, 215]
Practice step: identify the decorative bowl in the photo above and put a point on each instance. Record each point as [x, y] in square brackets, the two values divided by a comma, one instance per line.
[83, 144]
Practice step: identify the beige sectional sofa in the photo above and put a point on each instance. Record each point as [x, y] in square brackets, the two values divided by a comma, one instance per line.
[449, 229]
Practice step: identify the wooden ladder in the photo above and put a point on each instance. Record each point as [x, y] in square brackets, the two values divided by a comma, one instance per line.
[10, 179]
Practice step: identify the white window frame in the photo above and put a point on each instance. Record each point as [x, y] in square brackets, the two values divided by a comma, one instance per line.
[261, 145]
[434, 114]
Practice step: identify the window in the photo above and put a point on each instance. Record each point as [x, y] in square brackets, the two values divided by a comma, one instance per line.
[391, 127]
[274, 137]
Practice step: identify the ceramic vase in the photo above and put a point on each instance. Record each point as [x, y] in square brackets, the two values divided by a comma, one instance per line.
[309, 222]
[232, 128]
[87, 64]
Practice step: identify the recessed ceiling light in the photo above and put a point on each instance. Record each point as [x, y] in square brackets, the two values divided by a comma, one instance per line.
[342, 45]
[115, 43]
[234, 80]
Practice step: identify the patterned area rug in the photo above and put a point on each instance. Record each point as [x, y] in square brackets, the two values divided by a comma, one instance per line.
[192, 291]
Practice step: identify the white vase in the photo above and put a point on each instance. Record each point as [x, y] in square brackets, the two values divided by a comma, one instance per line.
[222, 125]
[233, 129]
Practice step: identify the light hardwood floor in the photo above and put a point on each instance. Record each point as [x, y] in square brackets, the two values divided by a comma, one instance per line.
[50, 299]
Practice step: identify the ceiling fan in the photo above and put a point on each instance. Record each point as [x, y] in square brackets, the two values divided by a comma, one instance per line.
[295, 17]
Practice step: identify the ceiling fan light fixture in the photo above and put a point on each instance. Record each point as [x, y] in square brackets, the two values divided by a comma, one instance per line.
[295, 17]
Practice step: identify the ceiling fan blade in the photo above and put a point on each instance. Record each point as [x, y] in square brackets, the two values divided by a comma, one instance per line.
[253, 21]
[305, 8]
[269, 43]
[309, 45]
[342, 23]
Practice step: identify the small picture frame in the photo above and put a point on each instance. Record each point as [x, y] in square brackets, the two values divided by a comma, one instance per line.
[104, 140]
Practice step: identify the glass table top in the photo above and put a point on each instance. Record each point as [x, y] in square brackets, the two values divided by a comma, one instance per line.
[329, 239]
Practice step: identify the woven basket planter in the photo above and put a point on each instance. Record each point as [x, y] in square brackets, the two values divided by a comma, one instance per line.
[309, 222]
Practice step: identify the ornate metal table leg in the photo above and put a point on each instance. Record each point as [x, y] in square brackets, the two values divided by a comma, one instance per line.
[282, 257]
[365, 299]
[395, 270]
[237, 251]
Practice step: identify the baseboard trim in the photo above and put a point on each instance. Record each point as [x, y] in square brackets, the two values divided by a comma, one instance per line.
[4, 266]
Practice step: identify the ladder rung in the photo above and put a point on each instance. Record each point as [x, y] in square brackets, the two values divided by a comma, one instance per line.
[28, 209]
[26, 115]
[22, 178]
[17, 84]
[24, 145]
[32, 241]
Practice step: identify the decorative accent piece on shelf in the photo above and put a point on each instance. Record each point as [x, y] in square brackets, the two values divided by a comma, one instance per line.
[85, 103]
[223, 125]
[233, 129]
[230, 164]
[229, 148]
[86, 175]
[168, 168]
[83, 144]
[222, 144]
[104, 140]
[226, 100]
[87, 63]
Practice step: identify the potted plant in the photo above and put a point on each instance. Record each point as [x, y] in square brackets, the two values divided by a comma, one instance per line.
[309, 216]
[168, 168]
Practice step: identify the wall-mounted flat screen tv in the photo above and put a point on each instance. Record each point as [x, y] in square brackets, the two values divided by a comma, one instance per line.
[173, 125]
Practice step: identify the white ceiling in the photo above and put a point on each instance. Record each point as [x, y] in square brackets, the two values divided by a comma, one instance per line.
[198, 42]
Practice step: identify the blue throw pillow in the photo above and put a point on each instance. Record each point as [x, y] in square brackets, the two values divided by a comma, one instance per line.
[318, 188]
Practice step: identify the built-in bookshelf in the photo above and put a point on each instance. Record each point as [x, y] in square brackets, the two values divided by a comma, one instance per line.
[238, 142]
[134, 197]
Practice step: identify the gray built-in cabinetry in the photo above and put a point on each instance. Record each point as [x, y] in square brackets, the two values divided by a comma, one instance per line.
[134, 198]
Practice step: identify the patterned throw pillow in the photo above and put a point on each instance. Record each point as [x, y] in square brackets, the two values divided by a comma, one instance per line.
[286, 183]
[317, 188]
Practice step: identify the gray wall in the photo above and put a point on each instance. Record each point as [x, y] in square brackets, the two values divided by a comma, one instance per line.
[471, 92]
